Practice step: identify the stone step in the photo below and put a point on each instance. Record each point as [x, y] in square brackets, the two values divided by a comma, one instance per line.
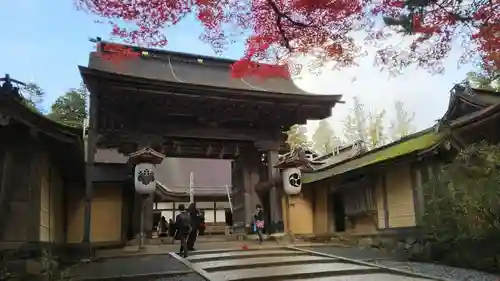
[219, 265]
[243, 254]
[289, 271]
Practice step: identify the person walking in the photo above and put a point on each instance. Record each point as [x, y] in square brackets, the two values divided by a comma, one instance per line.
[183, 229]
[162, 228]
[259, 221]
[195, 225]
[171, 228]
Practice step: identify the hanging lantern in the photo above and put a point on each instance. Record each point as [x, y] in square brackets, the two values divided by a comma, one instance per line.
[144, 178]
[145, 161]
[292, 180]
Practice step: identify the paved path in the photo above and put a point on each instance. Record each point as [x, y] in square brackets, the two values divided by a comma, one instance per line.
[287, 263]
[228, 261]
[123, 268]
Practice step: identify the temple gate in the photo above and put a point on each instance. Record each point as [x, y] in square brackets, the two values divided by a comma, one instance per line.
[189, 106]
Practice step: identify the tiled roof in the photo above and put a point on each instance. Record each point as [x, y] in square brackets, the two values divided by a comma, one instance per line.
[191, 69]
[414, 143]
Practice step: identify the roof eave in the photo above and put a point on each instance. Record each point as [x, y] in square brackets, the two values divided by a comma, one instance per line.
[89, 73]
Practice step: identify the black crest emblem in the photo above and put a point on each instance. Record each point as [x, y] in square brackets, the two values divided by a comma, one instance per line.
[294, 180]
[146, 176]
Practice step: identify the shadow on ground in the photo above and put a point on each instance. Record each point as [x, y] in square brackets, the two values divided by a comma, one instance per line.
[122, 267]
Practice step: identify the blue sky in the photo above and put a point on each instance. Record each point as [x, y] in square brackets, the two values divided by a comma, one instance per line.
[45, 43]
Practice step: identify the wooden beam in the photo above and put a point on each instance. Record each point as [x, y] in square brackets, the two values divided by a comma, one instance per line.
[173, 131]
[266, 115]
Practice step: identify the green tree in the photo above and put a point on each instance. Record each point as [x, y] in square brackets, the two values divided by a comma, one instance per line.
[484, 81]
[376, 129]
[402, 124]
[71, 108]
[296, 137]
[33, 96]
[355, 126]
[461, 210]
[324, 138]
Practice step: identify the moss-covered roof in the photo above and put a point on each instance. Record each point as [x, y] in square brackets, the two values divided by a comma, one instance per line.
[414, 143]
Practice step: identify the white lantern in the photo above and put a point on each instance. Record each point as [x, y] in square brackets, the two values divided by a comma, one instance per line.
[292, 180]
[144, 178]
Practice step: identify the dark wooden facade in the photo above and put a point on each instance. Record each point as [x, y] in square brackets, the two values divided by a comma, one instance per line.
[185, 105]
[41, 163]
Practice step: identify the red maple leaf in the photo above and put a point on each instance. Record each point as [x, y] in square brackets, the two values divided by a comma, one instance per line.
[280, 28]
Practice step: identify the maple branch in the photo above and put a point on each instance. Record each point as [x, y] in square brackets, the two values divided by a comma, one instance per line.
[282, 15]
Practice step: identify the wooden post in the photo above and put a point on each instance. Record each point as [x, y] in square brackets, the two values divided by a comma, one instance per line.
[89, 166]
[274, 198]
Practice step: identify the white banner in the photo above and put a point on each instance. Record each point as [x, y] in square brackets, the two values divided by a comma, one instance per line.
[144, 178]
[292, 180]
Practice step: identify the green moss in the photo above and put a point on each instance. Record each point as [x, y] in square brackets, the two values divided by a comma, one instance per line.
[417, 143]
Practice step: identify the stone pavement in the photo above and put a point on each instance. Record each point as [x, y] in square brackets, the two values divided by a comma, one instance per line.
[228, 261]
[167, 248]
[122, 268]
[287, 263]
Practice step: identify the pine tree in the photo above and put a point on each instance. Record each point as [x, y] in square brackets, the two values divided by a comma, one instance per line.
[33, 96]
[71, 108]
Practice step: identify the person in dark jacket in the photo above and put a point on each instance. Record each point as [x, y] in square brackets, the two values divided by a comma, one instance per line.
[201, 231]
[258, 218]
[162, 227]
[171, 228]
[183, 229]
[195, 225]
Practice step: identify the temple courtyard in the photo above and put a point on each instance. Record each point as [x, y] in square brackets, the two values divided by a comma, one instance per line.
[246, 260]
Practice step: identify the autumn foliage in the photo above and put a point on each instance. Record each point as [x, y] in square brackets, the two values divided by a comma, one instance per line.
[274, 30]
[436, 26]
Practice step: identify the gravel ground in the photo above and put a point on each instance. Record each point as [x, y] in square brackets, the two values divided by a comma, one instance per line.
[443, 271]
[352, 253]
[381, 258]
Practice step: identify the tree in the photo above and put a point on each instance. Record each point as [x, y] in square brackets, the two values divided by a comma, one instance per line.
[484, 81]
[461, 211]
[435, 26]
[324, 139]
[71, 108]
[376, 129]
[402, 124]
[296, 137]
[275, 30]
[33, 96]
[355, 127]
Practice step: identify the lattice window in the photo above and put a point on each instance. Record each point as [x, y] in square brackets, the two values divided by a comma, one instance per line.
[360, 200]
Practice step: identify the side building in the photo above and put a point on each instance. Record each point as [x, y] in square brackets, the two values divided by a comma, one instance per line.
[42, 179]
[358, 192]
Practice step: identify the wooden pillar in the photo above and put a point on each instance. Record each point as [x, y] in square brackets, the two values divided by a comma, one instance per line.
[250, 179]
[245, 177]
[274, 194]
[148, 216]
[89, 166]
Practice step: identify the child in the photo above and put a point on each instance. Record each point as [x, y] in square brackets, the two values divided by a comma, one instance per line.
[259, 221]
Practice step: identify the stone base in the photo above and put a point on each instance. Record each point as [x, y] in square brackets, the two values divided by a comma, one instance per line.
[30, 261]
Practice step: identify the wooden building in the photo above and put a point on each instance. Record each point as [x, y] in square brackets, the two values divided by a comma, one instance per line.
[41, 175]
[184, 106]
[380, 191]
